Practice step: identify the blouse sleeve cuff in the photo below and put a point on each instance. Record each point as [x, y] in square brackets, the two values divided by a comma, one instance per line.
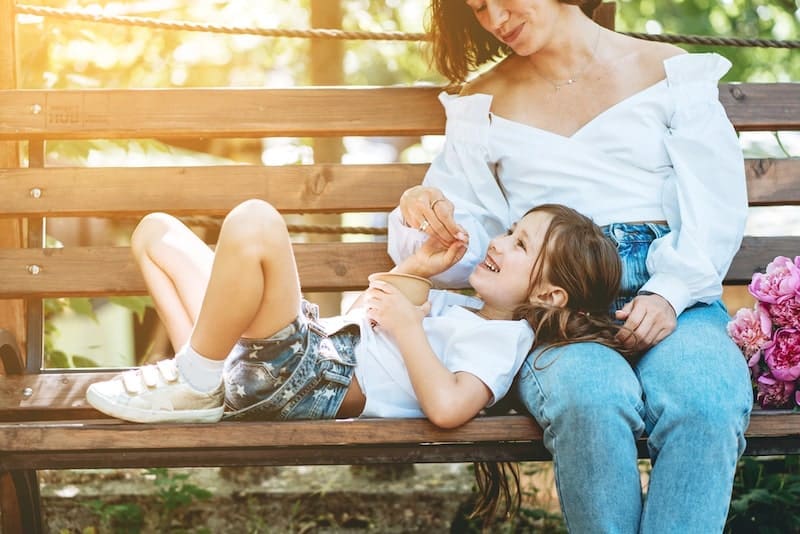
[671, 288]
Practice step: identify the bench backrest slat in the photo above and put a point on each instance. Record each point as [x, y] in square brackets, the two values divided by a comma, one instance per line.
[147, 113]
[214, 190]
[73, 271]
[96, 271]
[322, 188]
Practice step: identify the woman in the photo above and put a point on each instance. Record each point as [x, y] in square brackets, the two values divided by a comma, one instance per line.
[632, 134]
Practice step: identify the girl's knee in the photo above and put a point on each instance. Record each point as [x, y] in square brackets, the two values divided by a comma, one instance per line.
[254, 224]
[149, 231]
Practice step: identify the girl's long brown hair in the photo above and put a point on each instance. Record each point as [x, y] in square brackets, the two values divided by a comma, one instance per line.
[460, 44]
[579, 258]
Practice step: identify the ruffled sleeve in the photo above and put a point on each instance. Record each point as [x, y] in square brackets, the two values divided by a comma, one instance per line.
[705, 199]
[465, 174]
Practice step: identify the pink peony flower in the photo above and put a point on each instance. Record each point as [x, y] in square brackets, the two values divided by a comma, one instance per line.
[774, 393]
[750, 329]
[786, 312]
[782, 354]
[780, 281]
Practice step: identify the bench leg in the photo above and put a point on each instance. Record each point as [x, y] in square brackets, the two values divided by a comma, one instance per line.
[20, 502]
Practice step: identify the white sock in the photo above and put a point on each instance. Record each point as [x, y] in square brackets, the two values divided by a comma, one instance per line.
[203, 374]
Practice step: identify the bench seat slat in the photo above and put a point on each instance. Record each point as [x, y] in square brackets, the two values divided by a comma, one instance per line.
[245, 112]
[73, 271]
[321, 188]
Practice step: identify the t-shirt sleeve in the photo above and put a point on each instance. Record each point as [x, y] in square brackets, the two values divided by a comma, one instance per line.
[493, 351]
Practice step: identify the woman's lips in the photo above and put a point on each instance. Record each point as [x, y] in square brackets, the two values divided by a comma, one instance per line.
[509, 37]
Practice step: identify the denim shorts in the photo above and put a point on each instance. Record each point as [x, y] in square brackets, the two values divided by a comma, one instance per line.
[633, 242]
[298, 373]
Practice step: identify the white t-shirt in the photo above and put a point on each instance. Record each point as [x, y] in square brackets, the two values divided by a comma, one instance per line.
[492, 350]
[668, 152]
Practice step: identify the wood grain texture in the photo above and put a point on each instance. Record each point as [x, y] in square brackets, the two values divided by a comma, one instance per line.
[296, 112]
[95, 271]
[188, 113]
[74, 271]
[320, 188]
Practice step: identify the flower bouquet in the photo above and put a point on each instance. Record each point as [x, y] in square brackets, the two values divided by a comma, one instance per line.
[769, 334]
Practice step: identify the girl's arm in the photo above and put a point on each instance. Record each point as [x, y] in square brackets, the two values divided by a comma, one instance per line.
[447, 398]
[428, 260]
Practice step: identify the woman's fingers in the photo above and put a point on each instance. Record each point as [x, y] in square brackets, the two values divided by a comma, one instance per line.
[649, 320]
[428, 210]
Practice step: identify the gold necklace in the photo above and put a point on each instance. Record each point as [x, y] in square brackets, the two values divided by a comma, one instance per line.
[557, 85]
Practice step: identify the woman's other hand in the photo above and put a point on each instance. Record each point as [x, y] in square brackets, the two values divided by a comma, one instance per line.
[427, 209]
[648, 320]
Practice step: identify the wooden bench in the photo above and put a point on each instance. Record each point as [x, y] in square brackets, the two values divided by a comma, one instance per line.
[45, 422]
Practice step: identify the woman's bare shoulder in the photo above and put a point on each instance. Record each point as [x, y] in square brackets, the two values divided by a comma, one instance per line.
[642, 60]
[490, 82]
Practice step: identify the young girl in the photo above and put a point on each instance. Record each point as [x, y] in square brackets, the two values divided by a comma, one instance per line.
[238, 313]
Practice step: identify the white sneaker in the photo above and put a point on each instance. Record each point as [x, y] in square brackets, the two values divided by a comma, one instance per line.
[156, 394]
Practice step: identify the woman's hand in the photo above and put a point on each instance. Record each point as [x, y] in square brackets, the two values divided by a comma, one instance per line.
[427, 209]
[648, 320]
[391, 311]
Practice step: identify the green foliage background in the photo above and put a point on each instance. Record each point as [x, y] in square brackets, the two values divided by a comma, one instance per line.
[60, 54]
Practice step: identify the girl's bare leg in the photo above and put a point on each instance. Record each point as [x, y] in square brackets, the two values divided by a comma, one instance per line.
[253, 290]
[176, 266]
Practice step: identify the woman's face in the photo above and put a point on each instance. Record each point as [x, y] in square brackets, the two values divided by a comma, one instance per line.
[503, 279]
[524, 25]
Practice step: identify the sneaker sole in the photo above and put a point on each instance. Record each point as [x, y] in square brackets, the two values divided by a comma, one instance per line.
[138, 415]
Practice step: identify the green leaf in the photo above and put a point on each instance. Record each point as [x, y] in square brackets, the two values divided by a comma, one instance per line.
[82, 306]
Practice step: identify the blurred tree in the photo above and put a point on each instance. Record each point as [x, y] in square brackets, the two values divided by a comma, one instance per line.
[747, 19]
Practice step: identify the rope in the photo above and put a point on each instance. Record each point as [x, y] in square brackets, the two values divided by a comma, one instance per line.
[215, 28]
[353, 35]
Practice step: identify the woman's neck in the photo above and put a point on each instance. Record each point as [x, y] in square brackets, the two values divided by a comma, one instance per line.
[571, 51]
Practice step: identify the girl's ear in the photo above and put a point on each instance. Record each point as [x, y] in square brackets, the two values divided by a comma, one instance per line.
[553, 295]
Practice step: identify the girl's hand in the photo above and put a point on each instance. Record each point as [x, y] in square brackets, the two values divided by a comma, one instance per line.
[648, 320]
[428, 210]
[432, 258]
[391, 311]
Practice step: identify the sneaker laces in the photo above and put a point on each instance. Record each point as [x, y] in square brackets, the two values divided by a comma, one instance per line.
[147, 377]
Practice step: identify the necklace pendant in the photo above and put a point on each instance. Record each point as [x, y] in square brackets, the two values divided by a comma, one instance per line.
[570, 81]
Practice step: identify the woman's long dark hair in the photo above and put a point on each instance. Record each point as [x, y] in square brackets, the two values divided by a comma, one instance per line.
[460, 44]
[577, 257]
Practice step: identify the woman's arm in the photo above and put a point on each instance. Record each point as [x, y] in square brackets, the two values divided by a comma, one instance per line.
[462, 174]
[705, 202]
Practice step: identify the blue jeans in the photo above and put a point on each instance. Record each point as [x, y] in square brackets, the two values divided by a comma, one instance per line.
[690, 394]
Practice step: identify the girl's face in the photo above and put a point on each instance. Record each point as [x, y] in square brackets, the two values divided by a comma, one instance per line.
[503, 279]
[524, 25]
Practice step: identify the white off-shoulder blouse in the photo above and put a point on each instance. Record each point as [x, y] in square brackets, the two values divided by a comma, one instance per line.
[668, 152]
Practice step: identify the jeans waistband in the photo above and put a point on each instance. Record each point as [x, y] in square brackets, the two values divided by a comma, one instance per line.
[622, 233]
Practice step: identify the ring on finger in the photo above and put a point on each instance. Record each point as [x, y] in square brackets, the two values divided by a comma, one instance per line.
[424, 226]
[433, 204]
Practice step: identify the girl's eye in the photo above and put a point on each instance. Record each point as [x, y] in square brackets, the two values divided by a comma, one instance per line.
[509, 231]
[478, 8]
[521, 244]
